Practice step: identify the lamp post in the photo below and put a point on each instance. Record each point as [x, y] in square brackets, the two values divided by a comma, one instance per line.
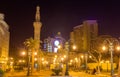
[67, 51]
[86, 61]
[111, 42]
[111, 54]
[29, 54]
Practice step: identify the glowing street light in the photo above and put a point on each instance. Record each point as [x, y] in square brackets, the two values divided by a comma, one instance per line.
[35, 53]
[82, 56]
[74, 47]
[55, 56]
[118, 48]
[42, 59]
[59, 46]
[90, 56]
[103, 48]
[35, 59]
[20, 61]
[64, 56]
[76, 59]
[23, 53]
[71, 61]
[11, 58]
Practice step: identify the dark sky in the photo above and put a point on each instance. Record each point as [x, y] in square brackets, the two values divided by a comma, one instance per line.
[58, 15]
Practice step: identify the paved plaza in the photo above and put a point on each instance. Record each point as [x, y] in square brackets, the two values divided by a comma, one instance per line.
[48, 74]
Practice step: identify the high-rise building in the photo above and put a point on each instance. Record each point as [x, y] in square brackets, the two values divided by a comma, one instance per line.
[83, 34]
[4, 42]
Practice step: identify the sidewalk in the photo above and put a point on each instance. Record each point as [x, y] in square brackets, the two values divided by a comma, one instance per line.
[48, 74]
[24, 74]
[83, 74]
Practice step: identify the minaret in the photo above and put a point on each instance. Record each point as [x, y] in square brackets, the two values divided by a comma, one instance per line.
[37, 26]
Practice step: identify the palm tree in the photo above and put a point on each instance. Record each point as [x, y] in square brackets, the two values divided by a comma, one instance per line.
[31, 47]
[31, 43]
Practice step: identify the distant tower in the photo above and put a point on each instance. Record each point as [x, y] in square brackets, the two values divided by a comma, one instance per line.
[37, 26]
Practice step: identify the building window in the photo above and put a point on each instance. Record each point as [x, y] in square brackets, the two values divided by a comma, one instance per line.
[55, 49]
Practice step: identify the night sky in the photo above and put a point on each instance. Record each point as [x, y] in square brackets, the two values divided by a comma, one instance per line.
[58, 15]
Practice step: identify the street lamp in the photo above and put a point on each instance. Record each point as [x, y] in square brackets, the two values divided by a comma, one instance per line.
[35, 53]
[86, 58]
[111, 42]
[67, 53]
[23, 53]
[74, 47]
[28, 62]
[90, 56]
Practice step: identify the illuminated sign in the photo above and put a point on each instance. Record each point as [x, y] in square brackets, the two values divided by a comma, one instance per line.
[56, 43]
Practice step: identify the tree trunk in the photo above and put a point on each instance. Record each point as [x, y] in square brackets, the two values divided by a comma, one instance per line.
[98, 67]
[32, 61]
[119, 67]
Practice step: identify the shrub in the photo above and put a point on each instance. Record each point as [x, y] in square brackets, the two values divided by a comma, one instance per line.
[1, 71]
[56, 72]
[66, 73]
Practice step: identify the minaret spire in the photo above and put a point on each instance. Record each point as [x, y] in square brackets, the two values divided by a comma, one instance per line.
[37, 32]
[37, 16]
[37, 25]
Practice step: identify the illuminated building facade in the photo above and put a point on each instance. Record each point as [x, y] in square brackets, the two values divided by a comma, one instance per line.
[83, 34]
[4, 42]
[51, 44]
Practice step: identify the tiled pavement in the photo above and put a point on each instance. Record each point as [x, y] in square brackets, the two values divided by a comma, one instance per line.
[48, 73]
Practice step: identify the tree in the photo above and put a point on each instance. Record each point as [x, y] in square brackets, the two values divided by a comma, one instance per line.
[96, 56]
[96, 50]
[31, 47]
[30, 43]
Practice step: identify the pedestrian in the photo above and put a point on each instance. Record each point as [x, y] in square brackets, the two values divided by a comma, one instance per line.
[94, 71]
